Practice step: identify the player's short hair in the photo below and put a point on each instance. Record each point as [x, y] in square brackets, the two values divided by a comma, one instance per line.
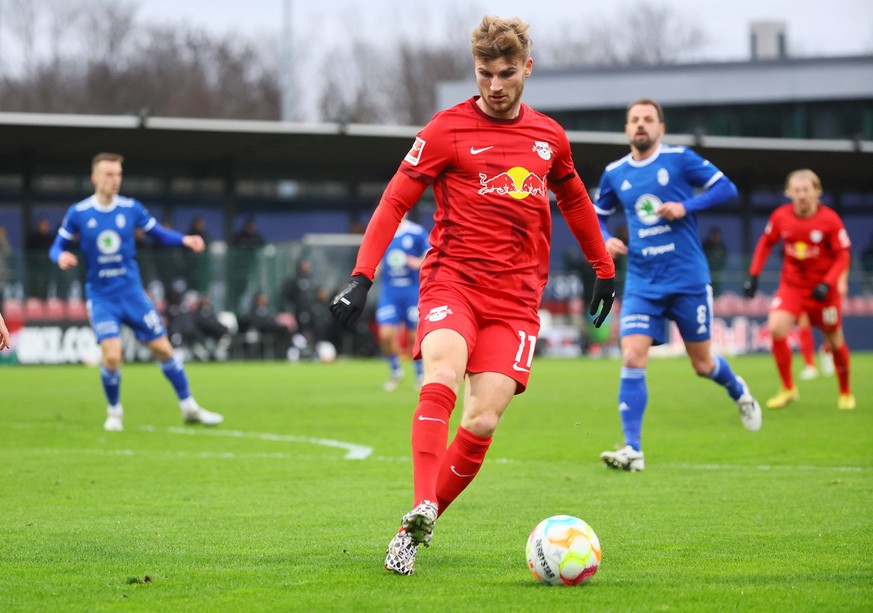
[106, 157]
[806, 173]
[649, 102]
[497, 37]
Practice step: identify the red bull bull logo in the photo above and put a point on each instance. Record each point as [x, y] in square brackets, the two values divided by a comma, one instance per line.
[517, 182]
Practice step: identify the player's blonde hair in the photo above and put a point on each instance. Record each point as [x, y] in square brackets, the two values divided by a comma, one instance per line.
[106, 157]
[807, 174]
[498, 37]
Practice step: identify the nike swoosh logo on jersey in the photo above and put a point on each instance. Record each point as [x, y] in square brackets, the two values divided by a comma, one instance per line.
[457, 474]
[423, 418]
[474, 151]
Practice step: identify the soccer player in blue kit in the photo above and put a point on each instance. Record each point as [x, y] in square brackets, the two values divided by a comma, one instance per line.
[667, 273]
[398, 300]
[105, 224]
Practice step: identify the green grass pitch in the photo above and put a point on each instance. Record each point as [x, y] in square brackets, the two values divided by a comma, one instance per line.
[272, 512]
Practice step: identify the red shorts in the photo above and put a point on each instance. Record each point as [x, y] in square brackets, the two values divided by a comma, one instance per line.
[501, 333]
[827, 315]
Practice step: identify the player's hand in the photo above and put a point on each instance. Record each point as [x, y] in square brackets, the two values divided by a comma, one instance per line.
[615, 246]
[750, 287]
[67, 260]
[820, 291]
[604, 292]
[348, 305]
[194, 242]
[672, 211]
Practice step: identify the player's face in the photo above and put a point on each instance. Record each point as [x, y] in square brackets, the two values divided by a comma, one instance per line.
[107, 178]
[804, 196]
[643, 128]
[500, 83]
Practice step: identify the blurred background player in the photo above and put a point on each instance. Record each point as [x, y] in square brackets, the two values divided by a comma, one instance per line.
[816, 254]
[398, 299]
[667, 274]
[104, 224]
[490, 160]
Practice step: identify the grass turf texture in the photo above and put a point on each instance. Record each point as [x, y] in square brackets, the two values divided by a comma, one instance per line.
[260, 515]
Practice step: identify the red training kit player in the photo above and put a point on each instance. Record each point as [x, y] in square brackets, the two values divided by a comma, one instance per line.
[489, 259]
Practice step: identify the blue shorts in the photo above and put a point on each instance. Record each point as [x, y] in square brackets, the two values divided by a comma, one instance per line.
[133, 309]
[398, 305]
[692, 313]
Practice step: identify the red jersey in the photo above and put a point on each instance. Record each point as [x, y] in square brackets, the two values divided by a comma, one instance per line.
[493, 221]
[816, 249]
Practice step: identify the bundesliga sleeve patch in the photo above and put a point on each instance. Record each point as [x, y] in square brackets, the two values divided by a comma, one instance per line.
[414, 155]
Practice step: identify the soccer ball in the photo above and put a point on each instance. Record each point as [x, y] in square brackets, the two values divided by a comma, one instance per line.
[563, 550]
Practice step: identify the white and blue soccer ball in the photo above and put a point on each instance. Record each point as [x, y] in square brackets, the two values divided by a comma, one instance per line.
[563, 550]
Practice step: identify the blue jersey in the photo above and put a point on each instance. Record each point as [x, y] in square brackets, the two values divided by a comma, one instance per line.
[409, 240]
[664, 257]
[107, 242]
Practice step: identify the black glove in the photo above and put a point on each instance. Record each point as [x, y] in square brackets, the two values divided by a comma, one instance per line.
[750, 287]
[604, 291]
[820, 291]
[348, 305]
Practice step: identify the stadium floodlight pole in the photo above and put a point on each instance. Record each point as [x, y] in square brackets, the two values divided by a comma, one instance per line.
[286, 64]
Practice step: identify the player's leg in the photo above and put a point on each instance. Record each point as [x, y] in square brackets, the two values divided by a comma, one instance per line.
[642, 325]
[829, 317]
[716, 367]
[110, 376]
[106, 323]
[806, 344]
[444, 353]
[498, 368]
[174, 371]
[780, 323]
[388, 320]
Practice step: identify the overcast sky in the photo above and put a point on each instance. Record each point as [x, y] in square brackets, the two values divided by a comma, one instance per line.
[818, 27]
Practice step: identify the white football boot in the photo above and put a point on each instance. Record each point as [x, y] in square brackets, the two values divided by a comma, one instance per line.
[193, 413]
[626, 458]
[419, 522]
[808, 373]
[114, 418]
[400, 558]
[750, 410]
[394, 381]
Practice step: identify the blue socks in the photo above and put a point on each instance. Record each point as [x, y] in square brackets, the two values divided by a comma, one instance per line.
[393, 362]
[175, 373]
[724, 376]
[419, 368]
[633, 395]
[111, 384]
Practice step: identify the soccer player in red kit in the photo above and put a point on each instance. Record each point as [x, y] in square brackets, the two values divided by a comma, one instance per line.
[816, 253]
[490, 161]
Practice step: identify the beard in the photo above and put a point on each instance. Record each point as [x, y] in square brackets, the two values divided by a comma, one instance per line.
[643, 142]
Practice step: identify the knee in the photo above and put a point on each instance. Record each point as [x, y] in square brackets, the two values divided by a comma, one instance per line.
[112, 362]
[446, 376]
[703, 368]
[482, 424]
[634, 359]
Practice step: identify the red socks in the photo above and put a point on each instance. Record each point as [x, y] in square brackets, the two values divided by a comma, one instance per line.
[462, 461]
[806, 344]
[430, 433]
[841, 366]
[782, 355]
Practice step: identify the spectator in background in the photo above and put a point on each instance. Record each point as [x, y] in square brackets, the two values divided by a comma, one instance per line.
[275, 332]
[38, 266]
[241, 261]
[197, 264]
[299, 298]
[716, 256]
